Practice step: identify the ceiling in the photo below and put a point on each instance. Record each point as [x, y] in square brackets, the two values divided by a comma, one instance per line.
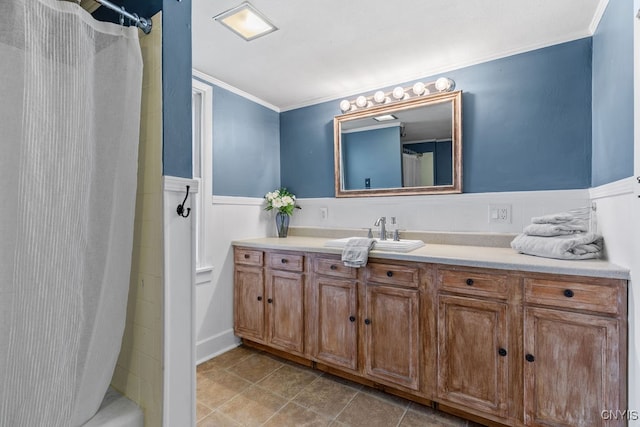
[332, 49]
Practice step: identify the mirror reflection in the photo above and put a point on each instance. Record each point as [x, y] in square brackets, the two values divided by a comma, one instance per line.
[410, 147]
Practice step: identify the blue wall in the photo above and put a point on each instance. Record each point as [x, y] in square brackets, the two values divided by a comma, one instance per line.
[176, 88]
[526, 126]
[613, 94]
[373, 154]
[246, 153]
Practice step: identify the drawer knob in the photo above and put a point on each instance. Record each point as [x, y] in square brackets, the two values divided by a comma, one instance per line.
[269, 300]
[568, 293]
[247, 256]
[389, 273]
[333, 267]
[469, 282]
[529, 358]
[284, 260]
[352, 318]
[367, 321]
[259, 298]
[502, 352]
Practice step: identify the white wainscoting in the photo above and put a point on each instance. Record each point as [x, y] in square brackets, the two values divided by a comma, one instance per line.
[179, 394]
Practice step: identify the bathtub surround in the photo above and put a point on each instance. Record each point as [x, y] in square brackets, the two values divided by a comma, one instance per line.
[67, 235]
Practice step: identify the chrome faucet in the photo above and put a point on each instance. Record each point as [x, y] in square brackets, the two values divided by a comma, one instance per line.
[382, 221]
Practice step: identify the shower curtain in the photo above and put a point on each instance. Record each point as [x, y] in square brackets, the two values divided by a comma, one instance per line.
[70, 91]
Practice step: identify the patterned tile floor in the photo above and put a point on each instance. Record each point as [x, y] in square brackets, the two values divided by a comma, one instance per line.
[247, 387]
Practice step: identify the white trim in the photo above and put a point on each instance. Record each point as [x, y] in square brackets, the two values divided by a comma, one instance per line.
[204, 276]
[203, 76]
[215, 345]
[616, 188]
[233, 200]
[597, 16]
[400, 80]
[178, 184]
[394, 124]
[179, 338]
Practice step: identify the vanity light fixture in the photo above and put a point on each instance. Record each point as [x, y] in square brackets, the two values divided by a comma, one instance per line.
[246, 21]
[399, 93]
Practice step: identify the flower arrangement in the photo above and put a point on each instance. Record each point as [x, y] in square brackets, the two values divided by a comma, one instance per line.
[282, 200]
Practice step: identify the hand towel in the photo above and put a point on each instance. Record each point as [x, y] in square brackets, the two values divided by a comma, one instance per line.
[557, 218]
[574, 246]
[548, 230]
[356, 251]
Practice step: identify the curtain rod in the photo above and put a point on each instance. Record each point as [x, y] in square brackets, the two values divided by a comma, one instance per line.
[143, 23]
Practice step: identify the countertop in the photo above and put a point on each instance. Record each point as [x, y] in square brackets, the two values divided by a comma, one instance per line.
[470, 256]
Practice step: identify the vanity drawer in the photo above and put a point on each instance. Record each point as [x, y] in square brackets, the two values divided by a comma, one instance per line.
[333, 267]
[248, 256]
[392, 274]
[593, 297]
[282, 261]
[473, 283]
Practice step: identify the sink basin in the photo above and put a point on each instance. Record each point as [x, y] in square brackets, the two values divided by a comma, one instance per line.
[382, 245]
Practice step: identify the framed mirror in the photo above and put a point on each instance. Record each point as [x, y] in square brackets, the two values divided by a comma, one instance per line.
[403, 148]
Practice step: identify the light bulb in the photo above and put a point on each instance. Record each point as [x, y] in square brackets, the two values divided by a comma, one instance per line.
[418, 88]
[345, 105]
[443, 84]
[361, 101]
[398, 92]
[379, 96]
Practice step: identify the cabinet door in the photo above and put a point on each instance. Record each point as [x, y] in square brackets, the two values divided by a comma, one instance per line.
[285, 302]
[571, 371]
[392, 335]
[249, 303]
[472, 350]
[337, 311]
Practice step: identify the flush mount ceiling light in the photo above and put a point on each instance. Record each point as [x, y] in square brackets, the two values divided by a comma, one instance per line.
[246, 21]
[385, 117]
[443, 84]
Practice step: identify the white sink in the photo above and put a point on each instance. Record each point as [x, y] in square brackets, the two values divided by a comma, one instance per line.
[382, 245]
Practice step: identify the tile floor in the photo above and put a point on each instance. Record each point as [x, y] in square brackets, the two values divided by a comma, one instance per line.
[247, 387]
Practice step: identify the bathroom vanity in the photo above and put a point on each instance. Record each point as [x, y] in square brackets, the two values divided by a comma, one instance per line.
[480, 332]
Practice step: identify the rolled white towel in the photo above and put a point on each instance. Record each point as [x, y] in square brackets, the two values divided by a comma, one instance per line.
[556, 218]
[548, 230]
[574, 246]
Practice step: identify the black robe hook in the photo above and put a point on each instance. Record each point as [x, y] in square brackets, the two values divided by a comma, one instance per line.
[180, 208]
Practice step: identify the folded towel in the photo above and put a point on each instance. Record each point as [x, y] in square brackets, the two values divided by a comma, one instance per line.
[548, 230]
[356, 251]
[557, 218]
[574, 246]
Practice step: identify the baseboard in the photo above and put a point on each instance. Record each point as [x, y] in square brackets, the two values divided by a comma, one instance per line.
[215, 345]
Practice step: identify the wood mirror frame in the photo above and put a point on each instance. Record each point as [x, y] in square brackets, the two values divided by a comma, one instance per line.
[455, 98]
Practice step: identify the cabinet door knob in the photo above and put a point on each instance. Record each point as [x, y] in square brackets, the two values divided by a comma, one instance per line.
[529, 358]
[367, 321]
[568, 293]
[247, 256]
[283, 260]
[389, 273]
[502, 352]
[469, 282]
[333, 267]
[269, 300]
[352, 318]
[259, 298]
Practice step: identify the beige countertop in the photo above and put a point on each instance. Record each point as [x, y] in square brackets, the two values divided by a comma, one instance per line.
[471, 256]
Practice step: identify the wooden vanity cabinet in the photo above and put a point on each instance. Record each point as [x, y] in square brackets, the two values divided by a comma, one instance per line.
[574, 345]
[392, 325]
[474, 340]
[269, 302]
[334, 296]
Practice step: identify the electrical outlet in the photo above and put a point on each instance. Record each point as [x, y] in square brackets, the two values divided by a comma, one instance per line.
[500, 214]
[324, 213]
